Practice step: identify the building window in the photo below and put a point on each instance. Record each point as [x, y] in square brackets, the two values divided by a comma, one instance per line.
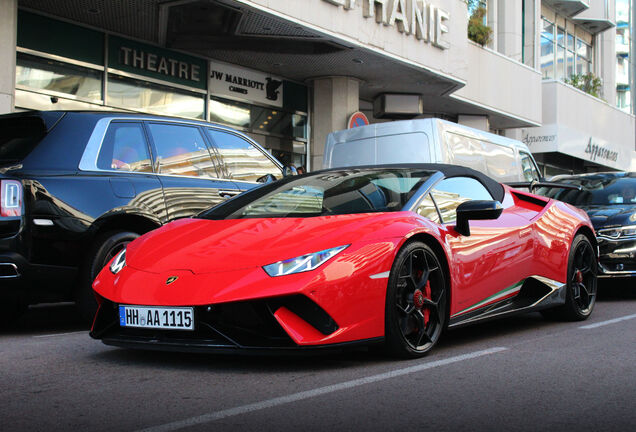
[547, 50]
[571, 54]
[583, 57]
[476, 4]
[623, 40]
[623, 99]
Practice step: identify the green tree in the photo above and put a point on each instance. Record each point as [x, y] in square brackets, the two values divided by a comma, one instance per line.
[478, 31]
[589, 83]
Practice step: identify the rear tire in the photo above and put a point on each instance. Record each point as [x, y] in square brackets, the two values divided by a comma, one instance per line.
[105, 247]
[416, 308]
[580, 295]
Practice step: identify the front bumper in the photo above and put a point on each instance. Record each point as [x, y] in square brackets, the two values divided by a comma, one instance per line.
[617, 257]
[249, 327]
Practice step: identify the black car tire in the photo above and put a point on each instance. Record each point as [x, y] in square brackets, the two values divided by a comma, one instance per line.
[580, 295]
[105, 247]
[416, 310]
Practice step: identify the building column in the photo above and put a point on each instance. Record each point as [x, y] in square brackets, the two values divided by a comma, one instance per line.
[474, 121]
[509, 28]
[8, 32]
[606, 67]
[334, 100]
[530, 36]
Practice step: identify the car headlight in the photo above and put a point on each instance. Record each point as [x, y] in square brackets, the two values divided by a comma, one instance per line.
[119, 262]
[618, 232]
[302, 263]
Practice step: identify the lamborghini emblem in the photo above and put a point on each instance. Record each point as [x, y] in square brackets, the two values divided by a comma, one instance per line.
[171, 279]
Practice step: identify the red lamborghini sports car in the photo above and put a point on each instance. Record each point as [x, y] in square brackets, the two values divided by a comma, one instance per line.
[391, 254]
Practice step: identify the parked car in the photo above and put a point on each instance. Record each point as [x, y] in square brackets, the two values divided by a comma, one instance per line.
[78, 186]
[349, 256]
[432, 141]
[610, 201]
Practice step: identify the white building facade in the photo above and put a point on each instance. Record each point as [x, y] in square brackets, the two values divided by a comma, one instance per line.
[288, 72]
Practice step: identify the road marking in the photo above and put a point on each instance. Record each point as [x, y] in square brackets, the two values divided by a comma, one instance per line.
[61, 334]
[608, 322]
[295, 397]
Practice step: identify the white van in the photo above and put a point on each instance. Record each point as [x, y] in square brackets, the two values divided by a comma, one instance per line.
[431, 141]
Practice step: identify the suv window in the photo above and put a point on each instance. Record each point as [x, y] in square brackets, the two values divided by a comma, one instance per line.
[125, 149]
[451, 192]
[181, 150]
[240, 160]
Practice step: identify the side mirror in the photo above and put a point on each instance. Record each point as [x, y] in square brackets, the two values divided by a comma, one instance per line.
[476, 210]
[289, 170]
[267, 178]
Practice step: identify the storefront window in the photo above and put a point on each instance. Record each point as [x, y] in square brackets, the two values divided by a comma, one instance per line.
[278, 122]
[144, 96]
[299, 123]
[280, 132]
[49, 75]
[230, 113]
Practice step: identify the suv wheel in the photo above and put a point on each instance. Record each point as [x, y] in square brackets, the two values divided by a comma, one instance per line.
[106, 246]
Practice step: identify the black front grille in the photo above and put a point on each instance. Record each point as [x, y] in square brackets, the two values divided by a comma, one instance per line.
[246, 324]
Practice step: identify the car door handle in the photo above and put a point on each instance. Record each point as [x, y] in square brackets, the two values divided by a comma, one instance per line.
[228, 193]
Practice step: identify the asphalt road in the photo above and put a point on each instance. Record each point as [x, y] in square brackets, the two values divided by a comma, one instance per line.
[519, 374]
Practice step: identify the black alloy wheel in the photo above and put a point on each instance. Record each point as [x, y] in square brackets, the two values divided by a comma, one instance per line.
[581, 283]
[416, 304]
[105, 247]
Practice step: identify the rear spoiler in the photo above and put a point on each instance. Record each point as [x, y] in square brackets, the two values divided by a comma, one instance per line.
[537, 184]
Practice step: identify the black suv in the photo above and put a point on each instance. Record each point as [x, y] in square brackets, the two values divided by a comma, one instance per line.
[76, 187]
[610, 201]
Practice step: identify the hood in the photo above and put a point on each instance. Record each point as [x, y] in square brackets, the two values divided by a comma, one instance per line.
[611, 215]
[205, 246]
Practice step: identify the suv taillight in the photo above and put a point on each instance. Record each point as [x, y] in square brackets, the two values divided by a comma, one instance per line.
[10, 198]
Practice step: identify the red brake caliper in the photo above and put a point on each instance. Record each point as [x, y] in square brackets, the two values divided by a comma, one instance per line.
[427, 294]
[418, 300]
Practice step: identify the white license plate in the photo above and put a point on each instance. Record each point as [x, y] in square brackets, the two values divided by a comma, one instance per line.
[172, 318]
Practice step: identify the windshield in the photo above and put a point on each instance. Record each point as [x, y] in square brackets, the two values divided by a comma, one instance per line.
[597, 190]
[326, 193]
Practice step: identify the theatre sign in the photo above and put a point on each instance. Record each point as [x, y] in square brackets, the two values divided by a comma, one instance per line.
[418, 18]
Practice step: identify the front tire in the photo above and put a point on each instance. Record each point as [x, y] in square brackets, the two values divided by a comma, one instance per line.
[581, 283]
[416, 302]
[105, 247]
